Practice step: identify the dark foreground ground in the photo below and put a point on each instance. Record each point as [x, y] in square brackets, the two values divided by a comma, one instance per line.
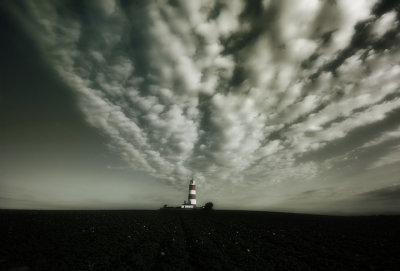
[196, 240]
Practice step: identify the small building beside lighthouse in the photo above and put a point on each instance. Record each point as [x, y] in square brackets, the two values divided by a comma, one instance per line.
[191, 203]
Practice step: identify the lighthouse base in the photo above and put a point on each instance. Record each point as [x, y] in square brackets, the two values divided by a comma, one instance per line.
[187, 206]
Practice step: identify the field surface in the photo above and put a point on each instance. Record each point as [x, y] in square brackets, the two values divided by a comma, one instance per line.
[196, 240]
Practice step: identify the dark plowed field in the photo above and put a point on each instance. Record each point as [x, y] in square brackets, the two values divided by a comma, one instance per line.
[196, 240]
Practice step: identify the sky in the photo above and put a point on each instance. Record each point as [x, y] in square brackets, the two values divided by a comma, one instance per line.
[269, 105]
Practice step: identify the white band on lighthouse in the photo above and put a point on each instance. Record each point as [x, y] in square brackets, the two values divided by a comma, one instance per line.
[192, 192]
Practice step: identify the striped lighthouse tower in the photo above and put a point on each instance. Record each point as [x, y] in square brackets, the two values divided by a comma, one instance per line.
[192, 193]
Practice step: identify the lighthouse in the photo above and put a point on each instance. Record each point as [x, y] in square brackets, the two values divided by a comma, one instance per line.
[192, 193]
[191, 203]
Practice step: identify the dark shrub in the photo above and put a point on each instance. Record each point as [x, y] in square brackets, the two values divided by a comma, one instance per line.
[208, 206]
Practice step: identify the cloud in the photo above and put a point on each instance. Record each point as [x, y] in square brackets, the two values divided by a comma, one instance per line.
[386, 193]
[385, 23]
[393, 156]
[232, 92]
[388, 136]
